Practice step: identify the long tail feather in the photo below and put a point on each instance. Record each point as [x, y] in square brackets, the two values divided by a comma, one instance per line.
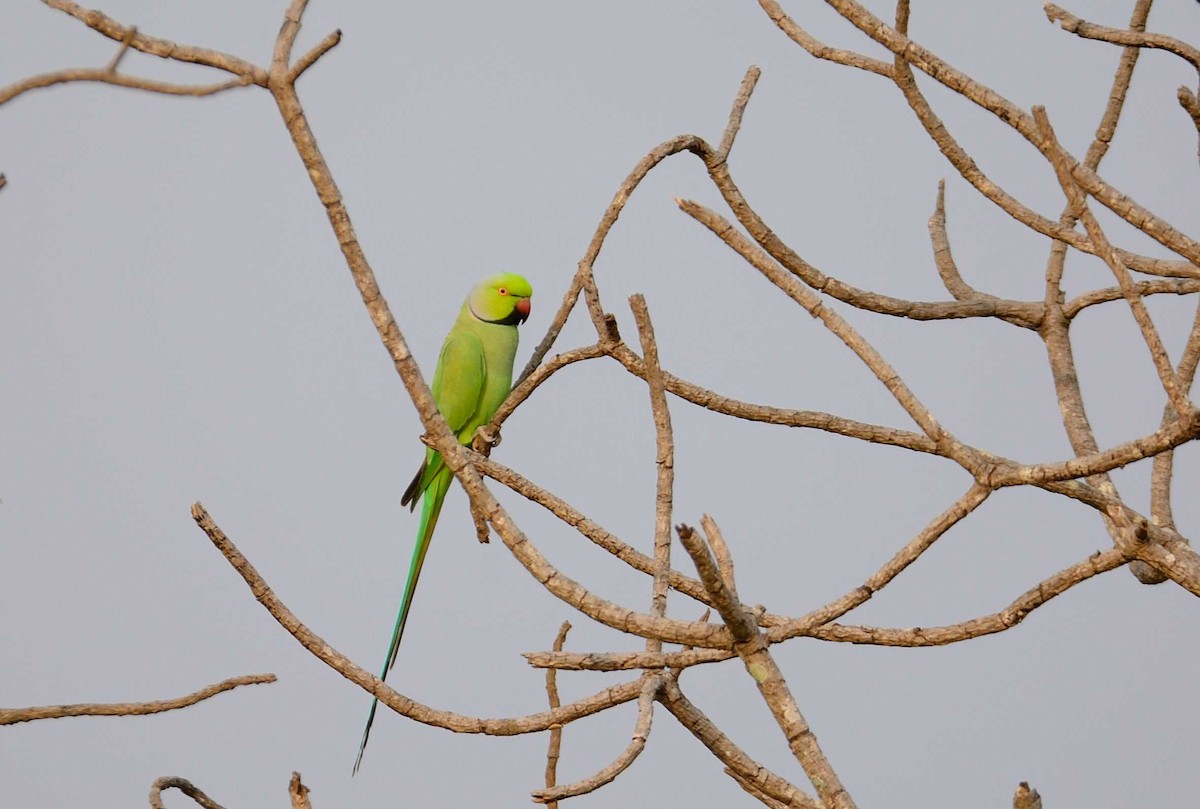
[435, 495]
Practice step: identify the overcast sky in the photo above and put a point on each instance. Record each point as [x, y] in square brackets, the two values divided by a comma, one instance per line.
[178, 325]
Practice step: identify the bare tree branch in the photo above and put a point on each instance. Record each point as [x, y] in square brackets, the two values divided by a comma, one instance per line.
[298, 793]
[664, 463]
[104, 76]
[1026, 797]
[399, 703]
[1117, 36]
[1078, 205]
[819, 49]
[740, 766]
[309, 59]
[11, 716]
[641, 732]
[736, 113]
[183, 785]
[162, 48]
[554, 746]
[752, 647]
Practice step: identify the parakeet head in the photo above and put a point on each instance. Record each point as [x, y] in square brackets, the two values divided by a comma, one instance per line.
[502, 299]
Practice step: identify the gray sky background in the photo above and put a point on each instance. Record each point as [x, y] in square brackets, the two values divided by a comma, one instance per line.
[178, 325]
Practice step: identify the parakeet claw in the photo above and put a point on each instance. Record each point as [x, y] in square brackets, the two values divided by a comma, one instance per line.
[485, 440]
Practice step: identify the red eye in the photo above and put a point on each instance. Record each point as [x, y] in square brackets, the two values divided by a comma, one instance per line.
[503, 290]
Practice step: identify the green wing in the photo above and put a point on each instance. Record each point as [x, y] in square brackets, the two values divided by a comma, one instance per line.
[459, 379]
[458, 385]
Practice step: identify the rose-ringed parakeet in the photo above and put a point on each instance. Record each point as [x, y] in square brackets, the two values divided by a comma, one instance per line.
[473, 377]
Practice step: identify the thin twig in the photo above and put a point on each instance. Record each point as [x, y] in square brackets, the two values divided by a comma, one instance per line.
[1161, 286]
[104, 76]
[967, 167]
[585, 526]
[1016, 612]
[819, 49]
[735, 114]
[740, 766]
[1079, 208]
[111, 67]
[752, 647]
[811, 419]
[1056, 335]
[1117, 36]
[1161, 473]
[309, 59]
[583, 280]
[811, 302]
[1023, 313]
[971, 499]
[641, 732]
[532, 381]
[1164, 439]
[1191, 105]
[163, 48]
[554, 746]
[11, 716]
[942, 257]
[664, 462]
[323, 651]
[1022, 122]
[1026, 797]
[298, 793]
[286, 40]
[817, 626]
[183, 785]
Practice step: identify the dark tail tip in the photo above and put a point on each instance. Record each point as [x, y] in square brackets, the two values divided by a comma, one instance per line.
[362, 746]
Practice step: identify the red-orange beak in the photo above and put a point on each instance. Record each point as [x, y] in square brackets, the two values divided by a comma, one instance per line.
[522, 310]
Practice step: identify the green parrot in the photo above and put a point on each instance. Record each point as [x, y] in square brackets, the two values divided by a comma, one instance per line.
[472, 380]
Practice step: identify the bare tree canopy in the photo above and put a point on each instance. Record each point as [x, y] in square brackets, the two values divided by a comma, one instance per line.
[888, 344]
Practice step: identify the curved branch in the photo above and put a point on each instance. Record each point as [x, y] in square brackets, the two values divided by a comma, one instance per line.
[11, 716]
[583, 275]
[967, 168]
[1078, 207]
[737, 111]
[1121, 204]
[163, 48]
[1161, 474]
[105, 76]
[641, 732]
[1164, 286]
[183, 785]
[1012, 615]
[1022, 313]
[740, 766]
[1016, 612]
[309, 59]
[399, 703]
[1118, 36]
[752, 647]
[585, 526]
[664, 463]
[554, 746]
[819, 49]
[812, 303]
[767, 414]
[943, 258]
[1177, 432]
[540, 373]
